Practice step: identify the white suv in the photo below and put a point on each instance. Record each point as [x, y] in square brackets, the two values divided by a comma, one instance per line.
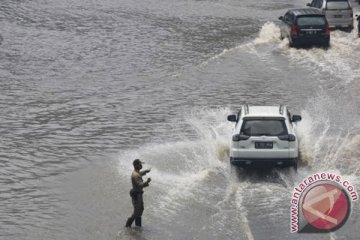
[264, 135]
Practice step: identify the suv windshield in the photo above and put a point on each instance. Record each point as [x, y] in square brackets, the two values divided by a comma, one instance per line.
[311, 20]
[337, 5]
[260, 127]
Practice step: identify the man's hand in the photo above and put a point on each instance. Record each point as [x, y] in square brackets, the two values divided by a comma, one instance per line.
[148, 180]
[147, 170]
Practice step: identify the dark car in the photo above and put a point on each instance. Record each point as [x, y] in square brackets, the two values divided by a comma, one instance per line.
[305, 27]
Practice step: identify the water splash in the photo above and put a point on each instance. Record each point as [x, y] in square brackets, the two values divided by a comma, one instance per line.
[186, 163]
[269, 32]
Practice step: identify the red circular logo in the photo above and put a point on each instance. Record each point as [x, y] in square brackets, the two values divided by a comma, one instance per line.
[325, 206]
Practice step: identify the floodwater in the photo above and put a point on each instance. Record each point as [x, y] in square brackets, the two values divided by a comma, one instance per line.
[88, 86]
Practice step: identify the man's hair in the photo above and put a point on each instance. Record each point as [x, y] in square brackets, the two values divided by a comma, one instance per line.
[137, 162]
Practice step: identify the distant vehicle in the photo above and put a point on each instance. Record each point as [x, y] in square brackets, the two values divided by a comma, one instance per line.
[264, 136]
[305, 27]
[339, 13]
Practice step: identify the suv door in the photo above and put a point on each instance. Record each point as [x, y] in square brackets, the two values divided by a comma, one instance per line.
[286, 25]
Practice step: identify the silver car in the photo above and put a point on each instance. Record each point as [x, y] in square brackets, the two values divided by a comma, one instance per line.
[264, 136]
[339, 13]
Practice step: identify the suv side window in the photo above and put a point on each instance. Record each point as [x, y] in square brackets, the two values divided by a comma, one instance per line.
[316, 3]
[289, 18]
[289, 115]
[319, 3]
[238, 115]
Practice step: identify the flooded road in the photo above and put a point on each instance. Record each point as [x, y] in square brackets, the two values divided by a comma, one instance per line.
[86, 87]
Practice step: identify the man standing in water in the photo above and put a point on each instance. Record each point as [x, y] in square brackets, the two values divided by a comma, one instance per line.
[136, 193]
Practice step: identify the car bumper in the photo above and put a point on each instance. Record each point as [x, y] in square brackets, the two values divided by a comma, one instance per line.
[311, 41]
[341, 23]
[275, 153]
[271, 162]
[340, 27]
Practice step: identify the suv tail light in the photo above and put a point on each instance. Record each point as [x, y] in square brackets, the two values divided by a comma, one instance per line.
[327, 29]
[288, 137]
[239, 137]
[294, 29]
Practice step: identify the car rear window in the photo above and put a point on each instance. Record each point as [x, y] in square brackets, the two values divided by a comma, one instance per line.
[311, 20]
[260, 127]
[337, 5]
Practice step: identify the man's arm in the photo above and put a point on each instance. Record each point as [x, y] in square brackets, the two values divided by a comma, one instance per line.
[140, 183]
[143, 173]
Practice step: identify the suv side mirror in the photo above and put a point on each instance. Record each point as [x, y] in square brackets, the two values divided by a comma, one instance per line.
[281, 18]
[308, 4]
[232, 118]
[296, 118]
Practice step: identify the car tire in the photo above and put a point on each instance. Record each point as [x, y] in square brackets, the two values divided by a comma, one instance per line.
[327, 45]
[281, 37]
[238, 172]
[291, 43]
[233, 171]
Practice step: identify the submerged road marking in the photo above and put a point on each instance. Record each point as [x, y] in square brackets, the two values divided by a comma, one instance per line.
[247, 228]
[244, 220]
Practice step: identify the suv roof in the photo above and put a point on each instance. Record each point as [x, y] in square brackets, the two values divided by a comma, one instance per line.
[306, 11]
[264, 111]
